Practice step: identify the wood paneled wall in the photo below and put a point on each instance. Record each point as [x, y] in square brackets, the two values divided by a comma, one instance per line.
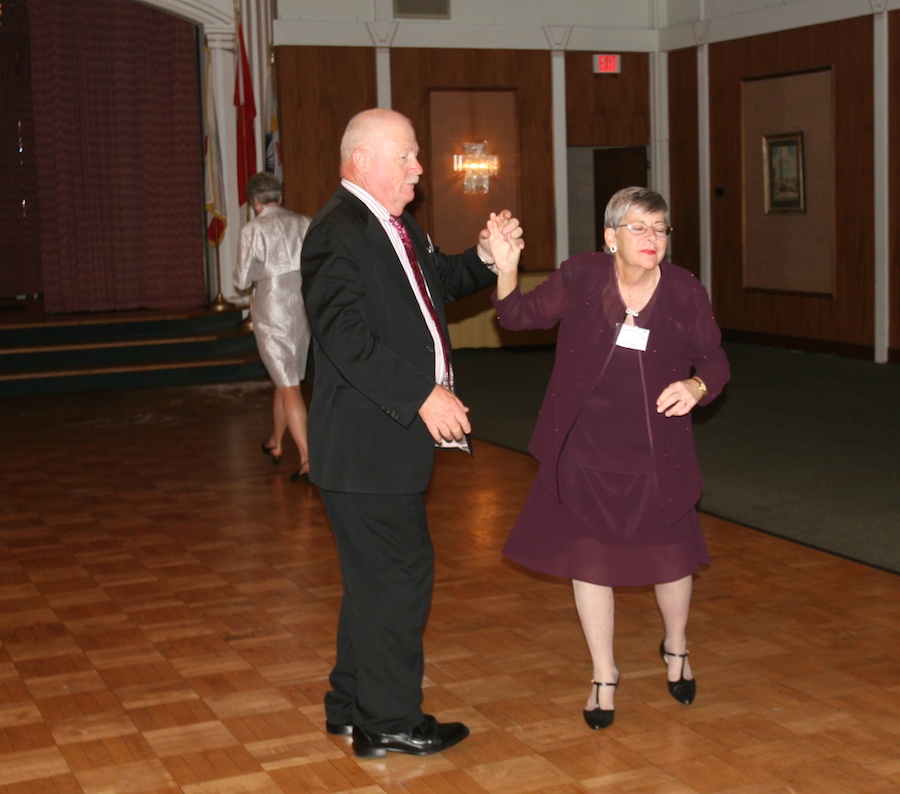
[319, 90]
[414, 72]
[608, 110]
[684, 159]
[894, 170]
[844, 321]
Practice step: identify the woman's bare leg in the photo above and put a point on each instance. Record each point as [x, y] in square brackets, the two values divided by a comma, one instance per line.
[295, 418]
[596, 611]
[279, 422]
[674, 601]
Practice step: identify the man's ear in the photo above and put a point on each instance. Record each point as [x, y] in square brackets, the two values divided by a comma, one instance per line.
[362, 159]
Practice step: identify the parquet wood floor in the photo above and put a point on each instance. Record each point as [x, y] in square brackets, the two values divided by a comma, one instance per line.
[168, 604]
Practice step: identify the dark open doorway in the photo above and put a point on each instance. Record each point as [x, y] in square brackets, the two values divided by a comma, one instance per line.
[615, 168]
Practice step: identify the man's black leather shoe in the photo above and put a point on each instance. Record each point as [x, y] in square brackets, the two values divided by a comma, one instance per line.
[339, 728]
[428, 737]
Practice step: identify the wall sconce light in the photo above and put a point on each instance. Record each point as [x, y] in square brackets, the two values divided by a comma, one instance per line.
[477, 165]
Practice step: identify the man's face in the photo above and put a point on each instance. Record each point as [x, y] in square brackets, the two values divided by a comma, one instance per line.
[394, 167]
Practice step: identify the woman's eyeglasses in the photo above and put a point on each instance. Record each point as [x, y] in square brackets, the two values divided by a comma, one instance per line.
[638, 228]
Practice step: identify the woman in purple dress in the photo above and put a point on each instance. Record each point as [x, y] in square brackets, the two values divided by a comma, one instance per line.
[614, 501]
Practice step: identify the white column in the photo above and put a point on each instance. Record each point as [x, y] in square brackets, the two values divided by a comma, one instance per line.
[659, 124]
[881, 184]
[558, 38]
[701, 31]
[560, 158]
[382, 35]
[383, 76]
[256, 21]
[222, 62]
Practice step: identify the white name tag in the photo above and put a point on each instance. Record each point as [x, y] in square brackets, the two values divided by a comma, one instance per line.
[632, 337]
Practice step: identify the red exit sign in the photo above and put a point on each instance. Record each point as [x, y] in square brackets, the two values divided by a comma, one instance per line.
[607, 64]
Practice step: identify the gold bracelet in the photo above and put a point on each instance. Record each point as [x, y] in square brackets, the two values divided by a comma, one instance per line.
[701, 384]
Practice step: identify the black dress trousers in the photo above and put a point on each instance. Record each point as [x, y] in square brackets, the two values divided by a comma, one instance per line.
[387, 565]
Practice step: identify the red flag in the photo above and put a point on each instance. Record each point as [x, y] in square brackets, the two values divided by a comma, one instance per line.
[246, 113]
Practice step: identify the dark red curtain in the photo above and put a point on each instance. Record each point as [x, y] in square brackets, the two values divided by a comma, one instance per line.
[115, 90]
[20, 271]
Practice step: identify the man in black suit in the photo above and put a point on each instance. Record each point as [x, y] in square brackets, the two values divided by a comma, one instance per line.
[382, 401]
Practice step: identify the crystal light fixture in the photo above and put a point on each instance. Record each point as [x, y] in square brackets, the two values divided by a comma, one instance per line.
[477, 166]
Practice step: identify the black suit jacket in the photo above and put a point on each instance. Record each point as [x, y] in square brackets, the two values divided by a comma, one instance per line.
[374, 355]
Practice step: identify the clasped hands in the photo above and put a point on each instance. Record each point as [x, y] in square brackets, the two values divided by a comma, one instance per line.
[503, 239]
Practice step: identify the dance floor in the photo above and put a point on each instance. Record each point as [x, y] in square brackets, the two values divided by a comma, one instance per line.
[168, 602]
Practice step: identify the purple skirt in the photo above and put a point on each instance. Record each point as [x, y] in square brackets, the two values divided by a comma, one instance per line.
[608, 526]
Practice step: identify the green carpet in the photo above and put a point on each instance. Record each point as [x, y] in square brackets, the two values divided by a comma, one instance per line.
[800, 445]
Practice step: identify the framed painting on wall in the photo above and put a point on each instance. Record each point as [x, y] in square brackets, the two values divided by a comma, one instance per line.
[789, 183]
[783, 173]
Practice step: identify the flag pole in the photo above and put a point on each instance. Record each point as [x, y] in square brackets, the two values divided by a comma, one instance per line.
[219, 304]
[247, 323]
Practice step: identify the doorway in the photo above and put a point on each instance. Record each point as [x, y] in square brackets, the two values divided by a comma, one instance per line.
[594, 174]
[616, 168]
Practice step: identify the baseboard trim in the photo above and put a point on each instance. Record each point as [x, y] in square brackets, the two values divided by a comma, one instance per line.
[824, 346]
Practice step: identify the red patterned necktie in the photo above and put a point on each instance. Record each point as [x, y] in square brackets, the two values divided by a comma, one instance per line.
[423, 291]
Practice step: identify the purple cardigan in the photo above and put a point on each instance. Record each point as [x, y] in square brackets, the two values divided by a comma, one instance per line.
[583, 297]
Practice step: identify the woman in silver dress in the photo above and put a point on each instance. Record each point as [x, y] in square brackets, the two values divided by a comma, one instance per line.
[270, 263]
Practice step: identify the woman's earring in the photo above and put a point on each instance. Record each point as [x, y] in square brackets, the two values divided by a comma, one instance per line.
[613, 249]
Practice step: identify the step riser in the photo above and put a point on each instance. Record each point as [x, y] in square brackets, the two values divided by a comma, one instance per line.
[77, 359]
[193, 376]
[110, 352]
[93, 331]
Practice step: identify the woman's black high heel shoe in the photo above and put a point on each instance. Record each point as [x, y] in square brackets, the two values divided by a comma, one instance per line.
[300, 475]
[270, 452]
[683, 690]
[598, 718]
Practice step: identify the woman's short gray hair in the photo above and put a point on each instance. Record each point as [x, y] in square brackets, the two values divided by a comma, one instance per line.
[264, 186]
[629, 198]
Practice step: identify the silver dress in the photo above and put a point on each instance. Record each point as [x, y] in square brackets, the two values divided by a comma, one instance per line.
[270, 262]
